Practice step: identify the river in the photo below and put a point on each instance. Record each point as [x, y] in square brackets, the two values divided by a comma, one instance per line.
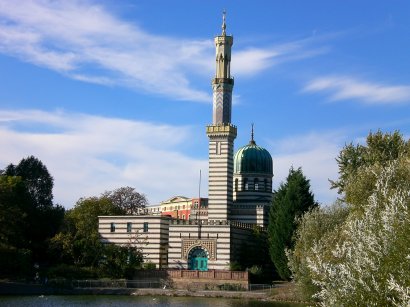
[122, 300]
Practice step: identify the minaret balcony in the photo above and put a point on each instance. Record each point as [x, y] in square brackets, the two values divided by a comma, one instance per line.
[223, 80]
[227, 129]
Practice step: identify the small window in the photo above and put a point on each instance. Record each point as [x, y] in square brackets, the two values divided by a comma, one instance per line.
[256, 184]
[112, 227]
[145, 226]
[129, 227]
[245, 184]
[236, 185]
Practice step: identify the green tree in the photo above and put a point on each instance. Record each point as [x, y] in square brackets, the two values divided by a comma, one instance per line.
[37, 179]
[355, 184]
[79, 240]
[32, 199]
[13, 201]
[290, 201]
[359, 251]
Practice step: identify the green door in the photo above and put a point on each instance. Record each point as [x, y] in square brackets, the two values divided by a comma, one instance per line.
[198, 259]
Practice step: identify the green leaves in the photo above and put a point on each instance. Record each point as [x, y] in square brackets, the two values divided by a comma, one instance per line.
[358, 252]
[292, 199]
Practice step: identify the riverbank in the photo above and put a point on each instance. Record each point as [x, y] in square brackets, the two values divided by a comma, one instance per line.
[283, 292]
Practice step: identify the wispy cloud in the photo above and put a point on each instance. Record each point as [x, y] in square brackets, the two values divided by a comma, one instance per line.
[76, 38]
[315, 152]
[100, 153]
[84, 41]
[345, 88]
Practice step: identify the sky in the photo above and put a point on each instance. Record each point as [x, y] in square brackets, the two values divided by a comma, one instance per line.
[118, 93]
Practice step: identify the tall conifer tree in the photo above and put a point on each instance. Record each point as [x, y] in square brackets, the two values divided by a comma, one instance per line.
[290, 201]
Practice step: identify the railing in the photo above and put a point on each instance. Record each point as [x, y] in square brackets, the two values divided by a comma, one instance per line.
[211, 274]
[93, 283]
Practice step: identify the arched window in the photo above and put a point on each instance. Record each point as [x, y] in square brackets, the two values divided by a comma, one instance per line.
[245, 184]
[256, 184]
[236, 184]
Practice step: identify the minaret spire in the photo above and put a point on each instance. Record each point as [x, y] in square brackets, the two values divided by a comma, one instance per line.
[224, 23]
[222, 84]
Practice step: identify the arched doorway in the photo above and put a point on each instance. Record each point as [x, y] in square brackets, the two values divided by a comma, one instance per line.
[198, 259]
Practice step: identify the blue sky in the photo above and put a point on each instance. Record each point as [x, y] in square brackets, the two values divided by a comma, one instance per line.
[117, 93]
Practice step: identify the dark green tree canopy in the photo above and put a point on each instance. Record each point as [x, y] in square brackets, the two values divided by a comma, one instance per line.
[290, 201]
[27, 212]
[36, 178]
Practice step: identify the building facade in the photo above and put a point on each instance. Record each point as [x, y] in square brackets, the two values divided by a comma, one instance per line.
[202, 234]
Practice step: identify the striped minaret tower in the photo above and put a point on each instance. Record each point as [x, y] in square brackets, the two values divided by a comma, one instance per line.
[221, 133]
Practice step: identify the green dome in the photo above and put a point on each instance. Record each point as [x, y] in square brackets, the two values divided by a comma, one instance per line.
[253, 159]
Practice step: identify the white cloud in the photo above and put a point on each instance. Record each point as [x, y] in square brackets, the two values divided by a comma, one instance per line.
[84, 41]
[315, 153]
[344, 88]
[72, 36]
[254, 60]
[99, 153]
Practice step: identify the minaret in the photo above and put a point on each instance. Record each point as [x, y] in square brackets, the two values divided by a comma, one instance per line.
[221, 133]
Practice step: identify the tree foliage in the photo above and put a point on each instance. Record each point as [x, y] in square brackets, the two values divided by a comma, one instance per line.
[79, 242]
[127, 199]
[26, 193]
[290, 201]
[380, 149]
[360, 251]
[37, 180]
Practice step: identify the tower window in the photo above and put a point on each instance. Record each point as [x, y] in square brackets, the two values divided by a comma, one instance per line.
[245, 184]
[218, 148]
[129, 227]
[145, 226]
[112, 228]
[256, 184]
[236, 185]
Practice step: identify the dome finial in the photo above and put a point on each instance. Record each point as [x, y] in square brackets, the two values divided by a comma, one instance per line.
[224, 22]
[252, 140]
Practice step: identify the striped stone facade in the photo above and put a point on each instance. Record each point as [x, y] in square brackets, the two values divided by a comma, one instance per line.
[220, 182]
[148, 232]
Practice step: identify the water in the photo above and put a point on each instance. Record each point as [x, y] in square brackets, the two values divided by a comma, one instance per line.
[120, 300]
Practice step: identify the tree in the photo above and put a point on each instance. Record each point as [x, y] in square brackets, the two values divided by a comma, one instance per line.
[78, 242]
[13, 201]
[32, 197]
[37, 180]
[380, 149]
[127, 199]
[290, 201]
[359, 252]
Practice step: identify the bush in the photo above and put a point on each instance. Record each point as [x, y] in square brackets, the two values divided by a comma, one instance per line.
[72, 272]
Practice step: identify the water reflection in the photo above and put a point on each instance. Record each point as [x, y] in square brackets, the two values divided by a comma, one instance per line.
[114, 300]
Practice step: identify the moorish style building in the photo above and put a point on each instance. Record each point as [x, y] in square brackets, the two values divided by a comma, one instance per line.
[180, 233]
